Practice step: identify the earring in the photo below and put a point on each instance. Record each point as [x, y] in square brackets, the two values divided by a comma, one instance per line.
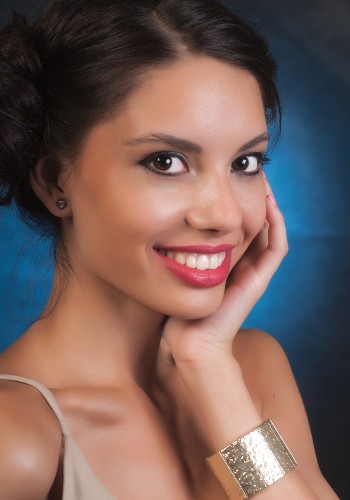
[62, 204]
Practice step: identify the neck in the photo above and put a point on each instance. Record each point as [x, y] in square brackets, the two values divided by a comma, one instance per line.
[100, 336]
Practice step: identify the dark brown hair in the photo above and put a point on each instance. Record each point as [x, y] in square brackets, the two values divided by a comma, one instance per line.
[76, 65]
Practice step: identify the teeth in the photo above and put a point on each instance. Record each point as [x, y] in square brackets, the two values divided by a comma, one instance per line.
[197, 261]
[214, 261]
[202, 262]
[191, 261]
[180, 258]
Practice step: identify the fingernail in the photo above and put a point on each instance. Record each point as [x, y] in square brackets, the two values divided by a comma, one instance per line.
[272, 198]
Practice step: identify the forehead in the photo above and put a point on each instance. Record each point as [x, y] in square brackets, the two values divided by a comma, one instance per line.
[198, 97]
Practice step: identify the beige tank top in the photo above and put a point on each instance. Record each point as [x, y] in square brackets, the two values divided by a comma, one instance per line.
[79, 482]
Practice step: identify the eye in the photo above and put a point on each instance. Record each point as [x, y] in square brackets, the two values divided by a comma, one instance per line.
[250, 164]
[165, 163]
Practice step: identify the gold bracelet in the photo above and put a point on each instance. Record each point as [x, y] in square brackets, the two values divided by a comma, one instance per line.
[253, 462]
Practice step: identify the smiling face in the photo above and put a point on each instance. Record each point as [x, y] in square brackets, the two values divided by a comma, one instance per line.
[167, 189]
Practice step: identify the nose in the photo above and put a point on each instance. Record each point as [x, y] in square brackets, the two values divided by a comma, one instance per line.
[214, 205]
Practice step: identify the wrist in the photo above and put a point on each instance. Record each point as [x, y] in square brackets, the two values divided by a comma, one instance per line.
[202, 355]
[261, 456]
[221, 397]
[212, 378]
[209, 365]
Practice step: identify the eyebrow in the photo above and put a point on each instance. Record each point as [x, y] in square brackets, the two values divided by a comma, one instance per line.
[188, 146]
[264, 137]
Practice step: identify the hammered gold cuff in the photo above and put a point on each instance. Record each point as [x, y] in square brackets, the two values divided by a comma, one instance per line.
[253, 462]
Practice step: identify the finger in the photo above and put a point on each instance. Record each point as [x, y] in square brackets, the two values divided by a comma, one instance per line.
[259, 243]
[267, 184]
[267, 238]
[251, 277]
[277, 234]
[277, 247]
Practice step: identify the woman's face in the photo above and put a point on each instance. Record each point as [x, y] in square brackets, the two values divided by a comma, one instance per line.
[165, 189]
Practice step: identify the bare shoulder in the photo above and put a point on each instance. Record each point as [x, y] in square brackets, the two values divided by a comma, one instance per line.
[30, 439]
[258, 355]
[252, 342]
[271, 382]
[267, 372]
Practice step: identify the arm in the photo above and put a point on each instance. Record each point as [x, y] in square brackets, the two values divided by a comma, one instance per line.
[283, 404]
[203, 353]
[30, 444]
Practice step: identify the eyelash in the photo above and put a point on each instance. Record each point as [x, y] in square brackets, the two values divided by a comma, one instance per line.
[262, 158]
[171, 154]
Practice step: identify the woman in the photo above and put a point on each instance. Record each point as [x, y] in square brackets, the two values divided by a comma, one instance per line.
[134, 133]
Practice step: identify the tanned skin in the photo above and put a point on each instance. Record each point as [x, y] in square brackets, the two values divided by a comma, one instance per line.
[147, 409]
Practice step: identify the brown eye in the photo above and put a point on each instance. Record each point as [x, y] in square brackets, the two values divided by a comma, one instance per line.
[248, 164]
[165, 163]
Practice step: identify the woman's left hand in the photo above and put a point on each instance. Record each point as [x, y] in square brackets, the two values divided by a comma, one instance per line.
[210, 338]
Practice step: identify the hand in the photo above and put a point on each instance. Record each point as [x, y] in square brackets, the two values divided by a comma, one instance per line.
[210, 339]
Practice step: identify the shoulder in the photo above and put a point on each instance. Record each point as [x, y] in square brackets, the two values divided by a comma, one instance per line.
[271, 382]
[30, 439]
[267, 370]
[260, 357]
[250, 341]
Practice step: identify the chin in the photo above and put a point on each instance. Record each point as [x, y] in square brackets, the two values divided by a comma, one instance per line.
[196, 305]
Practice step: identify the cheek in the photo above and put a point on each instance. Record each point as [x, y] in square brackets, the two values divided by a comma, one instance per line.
[253, 206]
[144, 214]
[123, 221]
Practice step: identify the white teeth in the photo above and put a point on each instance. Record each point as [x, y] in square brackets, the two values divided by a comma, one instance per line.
[213, 261]
[191, 261]
[180, 258]
[197, 261]
[202, 262]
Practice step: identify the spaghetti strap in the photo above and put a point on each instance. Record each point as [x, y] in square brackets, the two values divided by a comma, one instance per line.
[79, 482]
[47, 395]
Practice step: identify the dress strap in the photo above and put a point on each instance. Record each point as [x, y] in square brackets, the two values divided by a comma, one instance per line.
[47, 395]
[79, 481]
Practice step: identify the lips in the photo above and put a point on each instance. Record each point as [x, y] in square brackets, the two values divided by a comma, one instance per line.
[199, 266]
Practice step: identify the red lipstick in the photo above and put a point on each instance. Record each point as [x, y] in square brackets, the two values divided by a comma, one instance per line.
[196, 277]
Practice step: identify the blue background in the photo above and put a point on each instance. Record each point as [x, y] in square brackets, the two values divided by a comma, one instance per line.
[306, 306]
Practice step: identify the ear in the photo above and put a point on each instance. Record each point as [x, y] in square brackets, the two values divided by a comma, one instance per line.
[46, 179]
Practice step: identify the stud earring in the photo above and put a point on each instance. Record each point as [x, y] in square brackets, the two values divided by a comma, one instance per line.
[62, 204]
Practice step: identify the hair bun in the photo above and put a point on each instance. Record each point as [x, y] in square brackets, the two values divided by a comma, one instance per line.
[21, 109]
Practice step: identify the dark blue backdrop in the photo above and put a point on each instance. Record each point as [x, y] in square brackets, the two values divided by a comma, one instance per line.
[306, 307]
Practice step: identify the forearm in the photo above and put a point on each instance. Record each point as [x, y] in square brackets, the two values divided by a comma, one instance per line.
[222, 399]
[228, 412]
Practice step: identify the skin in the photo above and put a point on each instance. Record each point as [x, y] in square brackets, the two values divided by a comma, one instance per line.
[122, 387]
